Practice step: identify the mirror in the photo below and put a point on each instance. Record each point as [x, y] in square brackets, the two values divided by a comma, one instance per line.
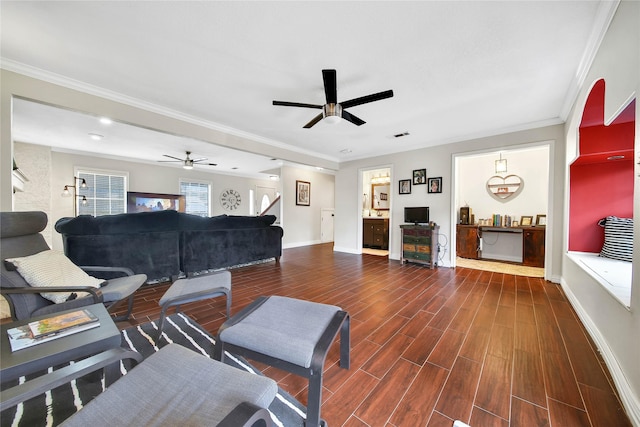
[380, 198]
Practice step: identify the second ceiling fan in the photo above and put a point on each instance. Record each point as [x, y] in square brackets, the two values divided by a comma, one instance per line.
[187, 162]
[334, 110]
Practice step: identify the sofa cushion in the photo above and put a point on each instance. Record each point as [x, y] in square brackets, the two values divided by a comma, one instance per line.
[126, 223]
[52, 268]
[224, 222]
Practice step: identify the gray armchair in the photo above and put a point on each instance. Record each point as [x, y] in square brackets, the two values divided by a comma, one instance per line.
[19, 237]
[175, 386]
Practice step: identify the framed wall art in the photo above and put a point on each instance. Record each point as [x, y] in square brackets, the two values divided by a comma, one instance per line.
[404, 186]
[303, 193]
[419, 176]
[435, 185]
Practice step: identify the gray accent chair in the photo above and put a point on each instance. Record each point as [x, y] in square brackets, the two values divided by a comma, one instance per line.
[19, 237]
[173, 387]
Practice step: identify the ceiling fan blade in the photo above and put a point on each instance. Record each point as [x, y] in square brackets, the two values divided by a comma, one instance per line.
[171, 157]
[330, 86]
[368, 98]
[296, 104]
[315, 120]
[199, 160]
[353, 119]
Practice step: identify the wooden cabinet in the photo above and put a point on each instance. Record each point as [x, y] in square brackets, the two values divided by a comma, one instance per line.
[420, 244]
[467, 241]
[375, 233]
[533, 241]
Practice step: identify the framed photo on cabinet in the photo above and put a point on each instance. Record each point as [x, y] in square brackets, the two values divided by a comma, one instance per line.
[526, 221]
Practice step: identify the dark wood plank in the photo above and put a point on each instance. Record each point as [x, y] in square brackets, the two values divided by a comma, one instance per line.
[458, 394]
[418, 403]
[527, 414]
[383, 399]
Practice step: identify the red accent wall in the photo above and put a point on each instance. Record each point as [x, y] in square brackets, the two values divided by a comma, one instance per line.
[600, 187]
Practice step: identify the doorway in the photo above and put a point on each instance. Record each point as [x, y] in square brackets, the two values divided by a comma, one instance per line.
[523, 192]
[376, 211]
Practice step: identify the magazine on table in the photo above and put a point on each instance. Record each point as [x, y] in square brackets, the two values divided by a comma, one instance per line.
[51, 328]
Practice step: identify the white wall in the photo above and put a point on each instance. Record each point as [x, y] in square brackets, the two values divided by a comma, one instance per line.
[531, 165]
[615, 328]
[302, 223]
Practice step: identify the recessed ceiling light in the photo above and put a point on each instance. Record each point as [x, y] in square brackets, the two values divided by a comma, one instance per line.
[345, 151]
[274, 177]
[400, 135]
[95, 136]
[105, 120]
[620, 157]
[234, 168]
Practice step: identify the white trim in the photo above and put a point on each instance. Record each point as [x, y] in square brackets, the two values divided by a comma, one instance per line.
[630, 401]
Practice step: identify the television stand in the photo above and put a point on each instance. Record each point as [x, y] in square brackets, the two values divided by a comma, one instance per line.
[420, 244]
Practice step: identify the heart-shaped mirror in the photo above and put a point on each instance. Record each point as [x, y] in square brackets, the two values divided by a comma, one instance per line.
[504, 188]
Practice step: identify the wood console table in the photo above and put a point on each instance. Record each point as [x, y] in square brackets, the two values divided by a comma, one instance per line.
[532, 246]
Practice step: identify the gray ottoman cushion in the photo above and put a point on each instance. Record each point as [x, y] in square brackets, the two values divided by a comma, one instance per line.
[192, 285]
[284, 328]
[175, 387]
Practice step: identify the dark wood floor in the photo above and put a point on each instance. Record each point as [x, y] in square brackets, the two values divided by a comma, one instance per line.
[432, 346]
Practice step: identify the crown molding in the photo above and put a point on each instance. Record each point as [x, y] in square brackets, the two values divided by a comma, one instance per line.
[603, 18]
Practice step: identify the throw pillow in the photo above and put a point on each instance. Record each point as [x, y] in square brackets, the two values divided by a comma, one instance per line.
[52, 268]
[618, 239]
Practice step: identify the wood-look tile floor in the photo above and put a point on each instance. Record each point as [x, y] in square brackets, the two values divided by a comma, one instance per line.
[431, 346]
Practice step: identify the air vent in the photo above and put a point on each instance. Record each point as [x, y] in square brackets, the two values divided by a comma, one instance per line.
[400, 135]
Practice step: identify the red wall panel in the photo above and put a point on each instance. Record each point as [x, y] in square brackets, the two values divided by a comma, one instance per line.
[600, 187]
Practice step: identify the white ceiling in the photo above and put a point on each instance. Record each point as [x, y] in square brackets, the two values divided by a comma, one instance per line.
[458, 70]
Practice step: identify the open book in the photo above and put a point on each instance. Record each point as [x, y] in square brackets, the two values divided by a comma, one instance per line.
[51, 328]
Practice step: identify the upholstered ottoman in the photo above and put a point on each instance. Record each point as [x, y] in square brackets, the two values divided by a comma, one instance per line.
[290, 334]
[193, 289]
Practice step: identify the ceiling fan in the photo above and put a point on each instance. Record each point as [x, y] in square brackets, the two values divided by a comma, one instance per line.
[334, 110]
[187, 162]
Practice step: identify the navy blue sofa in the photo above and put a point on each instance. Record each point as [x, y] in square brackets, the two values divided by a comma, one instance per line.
[166, 244]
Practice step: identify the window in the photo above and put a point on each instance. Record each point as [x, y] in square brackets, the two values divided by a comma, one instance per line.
[105, 194]
[197, 196]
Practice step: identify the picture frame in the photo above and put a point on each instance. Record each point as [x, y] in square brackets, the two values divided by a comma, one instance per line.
[541, 219]
[526, 221]
[303, 193]
[435, 185]
[404, 186]
[419, 176]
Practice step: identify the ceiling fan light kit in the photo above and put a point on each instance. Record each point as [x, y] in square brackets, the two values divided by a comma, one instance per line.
[333, 110]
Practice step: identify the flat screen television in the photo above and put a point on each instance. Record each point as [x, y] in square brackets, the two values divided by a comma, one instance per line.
[148, 202]
[416, 215]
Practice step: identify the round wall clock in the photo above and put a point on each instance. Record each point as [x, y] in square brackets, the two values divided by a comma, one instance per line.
[230, 199]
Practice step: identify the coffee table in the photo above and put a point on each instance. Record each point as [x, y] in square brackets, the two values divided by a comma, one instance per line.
[27, 361]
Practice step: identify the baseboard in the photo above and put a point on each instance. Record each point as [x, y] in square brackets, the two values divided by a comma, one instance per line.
[299, 244]
[629, 399]
[347, 250]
